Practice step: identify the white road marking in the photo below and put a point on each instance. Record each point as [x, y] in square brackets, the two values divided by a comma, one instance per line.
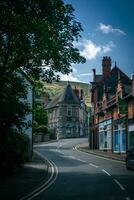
[106, 172]
[93, 165]
[127, 198]
[72, 157]
[119, 184]
[81, 160]
[60, 145]
[91, 154]
[66, 156]
[58, 150]
[47, 184]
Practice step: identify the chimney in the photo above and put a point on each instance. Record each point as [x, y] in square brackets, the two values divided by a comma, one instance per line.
[120, 87]
[81, 93]
[94, 75]
[76, 91]
[133, 85]
[106, 66]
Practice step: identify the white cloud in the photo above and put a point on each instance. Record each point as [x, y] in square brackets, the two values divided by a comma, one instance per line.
[70, 77]
[85, 74]
[108, 47]
[109, 29]
[90, 50]
[73, 76]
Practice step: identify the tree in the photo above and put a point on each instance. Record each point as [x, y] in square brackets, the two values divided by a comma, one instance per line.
[33, 31]
[40, 114]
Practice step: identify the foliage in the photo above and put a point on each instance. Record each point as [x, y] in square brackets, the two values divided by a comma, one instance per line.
[13, 104]
[13, 157]
[40, 114]
[34, 31]
[42, 129]
[31, 31]
[38, 89]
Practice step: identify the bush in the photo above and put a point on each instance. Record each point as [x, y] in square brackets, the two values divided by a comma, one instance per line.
[13, 153]
[41, 129]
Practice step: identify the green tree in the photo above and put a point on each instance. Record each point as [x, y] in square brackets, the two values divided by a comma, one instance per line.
[40, 114]
[32, 32]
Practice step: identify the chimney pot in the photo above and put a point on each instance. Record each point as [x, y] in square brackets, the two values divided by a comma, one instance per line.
[106, 66]
[94, 74]
[133, 85]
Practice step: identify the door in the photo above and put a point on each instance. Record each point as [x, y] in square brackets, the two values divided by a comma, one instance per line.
[120, 139]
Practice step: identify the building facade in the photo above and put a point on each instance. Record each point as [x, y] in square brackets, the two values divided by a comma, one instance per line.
[28, 130]
[112, 109]
[67, 113]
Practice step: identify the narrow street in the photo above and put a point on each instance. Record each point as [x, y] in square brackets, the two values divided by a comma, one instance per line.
[82, 176]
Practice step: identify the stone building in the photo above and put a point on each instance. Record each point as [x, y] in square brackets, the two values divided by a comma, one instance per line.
[67, 113]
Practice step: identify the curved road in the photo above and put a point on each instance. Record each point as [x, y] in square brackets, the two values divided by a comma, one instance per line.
[83, 176]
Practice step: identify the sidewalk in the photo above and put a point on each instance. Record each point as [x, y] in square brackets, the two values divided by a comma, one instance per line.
[25, 181]
[105, 154]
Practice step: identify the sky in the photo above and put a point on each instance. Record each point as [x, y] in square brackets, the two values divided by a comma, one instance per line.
[108, 31]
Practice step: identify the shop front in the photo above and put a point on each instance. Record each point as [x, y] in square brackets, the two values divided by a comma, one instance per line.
[105, 135]
[131, 133]
[119, 135]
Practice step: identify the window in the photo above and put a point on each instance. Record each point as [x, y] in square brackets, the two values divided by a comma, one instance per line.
[69, 111]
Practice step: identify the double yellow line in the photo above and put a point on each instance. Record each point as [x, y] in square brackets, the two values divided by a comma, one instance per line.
[52, 169]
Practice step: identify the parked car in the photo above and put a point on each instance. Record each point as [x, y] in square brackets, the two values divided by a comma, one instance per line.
[130, 159]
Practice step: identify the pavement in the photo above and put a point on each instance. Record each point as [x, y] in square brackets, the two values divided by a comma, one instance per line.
[103, 153]
[24, 182]
[36, 171]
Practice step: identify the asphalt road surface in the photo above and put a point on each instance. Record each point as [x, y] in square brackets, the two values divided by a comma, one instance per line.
[82, 176]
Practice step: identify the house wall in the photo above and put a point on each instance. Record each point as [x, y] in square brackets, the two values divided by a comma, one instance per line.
[29, 117]
[67, 124]
[131, 109]
[131, 123]
[69, 121]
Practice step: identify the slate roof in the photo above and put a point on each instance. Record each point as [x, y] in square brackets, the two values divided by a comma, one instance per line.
[53, 103]
[111, 83]
[67, 97]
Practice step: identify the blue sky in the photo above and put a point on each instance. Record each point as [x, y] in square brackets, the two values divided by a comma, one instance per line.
[108, 31]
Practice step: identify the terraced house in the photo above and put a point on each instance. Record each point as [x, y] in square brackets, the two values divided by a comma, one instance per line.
[67, 113]
[112, 109]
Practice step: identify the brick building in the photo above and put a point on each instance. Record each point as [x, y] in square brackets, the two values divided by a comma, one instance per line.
[112, 98]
